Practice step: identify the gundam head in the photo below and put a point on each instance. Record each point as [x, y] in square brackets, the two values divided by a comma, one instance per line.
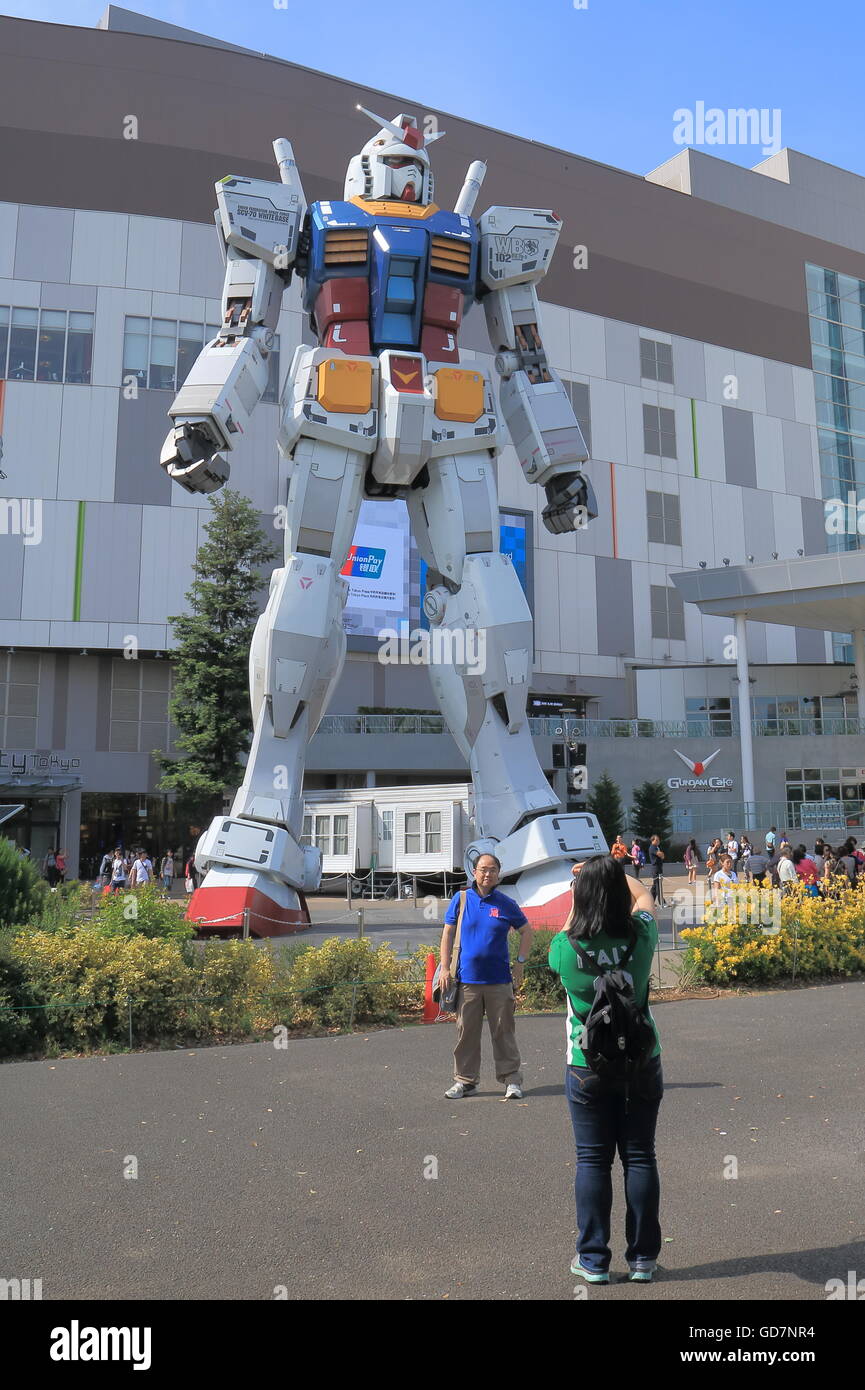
[393, 164]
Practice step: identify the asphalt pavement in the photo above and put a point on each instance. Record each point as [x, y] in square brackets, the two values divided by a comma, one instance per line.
[334, 1167]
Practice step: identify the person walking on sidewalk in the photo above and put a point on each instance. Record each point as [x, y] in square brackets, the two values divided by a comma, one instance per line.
[656, 859]
[486, 985]
[692, 859]
[638, 858]
[610, 914]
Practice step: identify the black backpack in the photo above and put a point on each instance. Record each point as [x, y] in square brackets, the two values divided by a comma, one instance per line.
[617, 1038]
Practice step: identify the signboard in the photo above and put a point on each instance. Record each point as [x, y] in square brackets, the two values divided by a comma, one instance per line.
[25, 764]
[698, 782]
[377, 569]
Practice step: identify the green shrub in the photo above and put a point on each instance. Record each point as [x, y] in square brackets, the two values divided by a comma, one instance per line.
[142, 912]
[345, 977]
[21, 1026]
[85, 981]
[65, 909]
[22, 890]
[542, 988]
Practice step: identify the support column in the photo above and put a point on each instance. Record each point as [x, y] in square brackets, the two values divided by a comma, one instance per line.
[859, 664]
[746, 735]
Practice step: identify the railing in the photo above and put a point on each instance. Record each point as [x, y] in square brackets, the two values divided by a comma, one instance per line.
[805, 819]
[388, 724]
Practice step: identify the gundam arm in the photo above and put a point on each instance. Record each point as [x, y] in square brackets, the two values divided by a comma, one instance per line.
[516, 248]
[259, 227]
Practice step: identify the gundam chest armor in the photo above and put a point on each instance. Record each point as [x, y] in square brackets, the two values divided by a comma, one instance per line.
[383, 407]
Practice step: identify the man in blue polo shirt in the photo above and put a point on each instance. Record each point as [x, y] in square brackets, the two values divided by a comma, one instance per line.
[485, 980]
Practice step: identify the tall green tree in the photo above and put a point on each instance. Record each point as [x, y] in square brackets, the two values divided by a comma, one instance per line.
[210, 702]
[650, 813]
[22, 889]
[606, 803]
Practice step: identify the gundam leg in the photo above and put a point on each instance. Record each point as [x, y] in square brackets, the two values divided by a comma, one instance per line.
[481, 651]
[254, 860]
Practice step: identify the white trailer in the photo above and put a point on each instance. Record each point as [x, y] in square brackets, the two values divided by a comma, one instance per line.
[392, 831]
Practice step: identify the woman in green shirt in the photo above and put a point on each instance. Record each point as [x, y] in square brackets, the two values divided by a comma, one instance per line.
[608, 909]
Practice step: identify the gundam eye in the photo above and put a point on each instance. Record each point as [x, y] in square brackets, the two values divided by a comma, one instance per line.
[398, 161]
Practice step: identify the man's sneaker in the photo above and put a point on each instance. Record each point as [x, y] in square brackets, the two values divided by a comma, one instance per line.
[642, 1274]
[513, 1092]
[591, 1276]
[460, 1089]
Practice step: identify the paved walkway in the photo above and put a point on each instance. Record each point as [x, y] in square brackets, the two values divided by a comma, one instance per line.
[303, 1167]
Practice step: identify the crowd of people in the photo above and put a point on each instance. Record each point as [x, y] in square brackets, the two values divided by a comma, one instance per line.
[778, 865]
[120, 870]
[734, 859]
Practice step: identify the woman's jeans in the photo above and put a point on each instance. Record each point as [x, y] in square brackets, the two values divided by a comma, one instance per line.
[605, 1117]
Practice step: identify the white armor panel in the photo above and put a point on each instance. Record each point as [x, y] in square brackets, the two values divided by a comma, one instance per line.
[543, 427]
[225, 384]
[517, 245]
[261, 218]
[404, 438]
[305, 413]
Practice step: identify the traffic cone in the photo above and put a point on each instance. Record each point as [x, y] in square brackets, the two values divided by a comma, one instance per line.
[430, 1008]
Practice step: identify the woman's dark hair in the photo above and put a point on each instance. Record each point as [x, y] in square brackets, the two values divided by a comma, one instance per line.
[601, 900]
[798, 855]
[692, 844]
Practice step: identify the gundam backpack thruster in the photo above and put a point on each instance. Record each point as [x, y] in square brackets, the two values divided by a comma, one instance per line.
[382, 408]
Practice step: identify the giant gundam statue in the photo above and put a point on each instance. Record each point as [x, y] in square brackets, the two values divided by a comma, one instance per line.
[382, 408]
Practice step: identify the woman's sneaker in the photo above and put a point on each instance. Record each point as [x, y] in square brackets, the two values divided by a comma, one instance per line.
[642, 1274]
[591, 1276]
[460, 1089]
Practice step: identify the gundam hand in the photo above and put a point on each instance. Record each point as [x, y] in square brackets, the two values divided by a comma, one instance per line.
[571, 503]
[189, 456]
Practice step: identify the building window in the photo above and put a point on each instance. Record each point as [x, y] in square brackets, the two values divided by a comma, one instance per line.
[160, 353]
[668, 613]
[836, 306]
[331, 833]
[709, 716]
[662, 513]
[412, 832]
[656, 360]
[432, 832]
[822, 784]
[659, 431]
[578, 394]
[19, 699]
[45, 345]
[340, 834]
[140, 691]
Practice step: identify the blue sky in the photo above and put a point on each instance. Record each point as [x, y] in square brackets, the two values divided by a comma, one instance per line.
[603, 81]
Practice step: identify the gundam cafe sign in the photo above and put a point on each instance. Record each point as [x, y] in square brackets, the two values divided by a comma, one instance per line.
[698, 782]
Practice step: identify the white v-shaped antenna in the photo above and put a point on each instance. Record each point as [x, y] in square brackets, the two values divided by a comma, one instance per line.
[396, 130]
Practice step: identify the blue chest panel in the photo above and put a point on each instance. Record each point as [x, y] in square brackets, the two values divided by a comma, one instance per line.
[399, 256]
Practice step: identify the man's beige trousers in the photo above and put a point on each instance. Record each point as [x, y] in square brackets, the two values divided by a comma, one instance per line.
[497, 1002]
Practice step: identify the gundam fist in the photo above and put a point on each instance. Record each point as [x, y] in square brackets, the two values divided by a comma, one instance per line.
[571, 503]
[189, 456]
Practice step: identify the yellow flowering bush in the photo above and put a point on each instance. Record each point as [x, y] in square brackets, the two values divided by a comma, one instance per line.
[757, 935]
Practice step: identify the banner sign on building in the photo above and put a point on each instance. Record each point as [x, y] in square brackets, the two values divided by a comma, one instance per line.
[378, 569]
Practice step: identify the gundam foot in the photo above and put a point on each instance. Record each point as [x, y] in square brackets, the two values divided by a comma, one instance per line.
[536, 863]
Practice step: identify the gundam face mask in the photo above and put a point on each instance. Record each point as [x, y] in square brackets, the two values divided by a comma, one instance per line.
[407, 178]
